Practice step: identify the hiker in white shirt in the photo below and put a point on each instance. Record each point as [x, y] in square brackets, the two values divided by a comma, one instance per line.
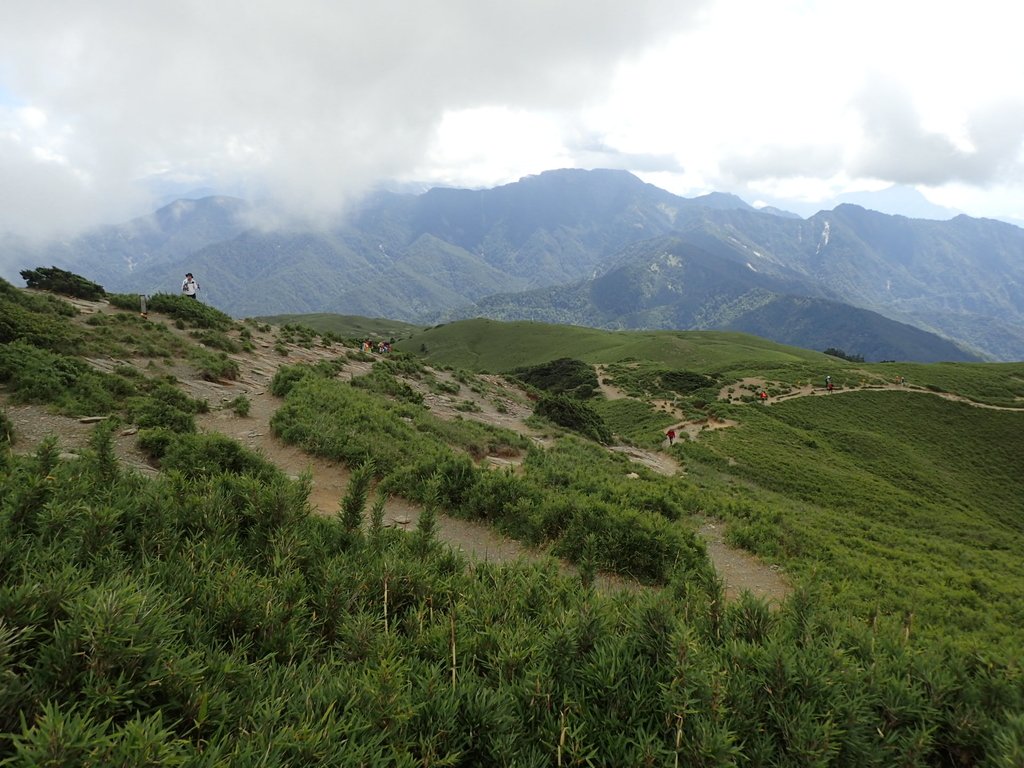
[190, 287]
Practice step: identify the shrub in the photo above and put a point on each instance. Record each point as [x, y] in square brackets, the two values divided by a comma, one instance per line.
[240, 405]
[39, 376]
[382, 382]
[574, 414]
[33, 324]
[155, 442]
[214, 366]
[211, 454]
[161, 404]
[148, 412]
[288, 375]
[562, 376]
[64, 282]
[129, 301]
[189, 311]
[216, 340]
[685, 381]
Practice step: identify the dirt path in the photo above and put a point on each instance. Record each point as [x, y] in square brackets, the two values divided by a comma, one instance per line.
[492, 400]
[751, 386]
[741, 571]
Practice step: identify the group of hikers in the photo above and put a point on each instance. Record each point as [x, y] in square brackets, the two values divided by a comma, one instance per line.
[383, 347]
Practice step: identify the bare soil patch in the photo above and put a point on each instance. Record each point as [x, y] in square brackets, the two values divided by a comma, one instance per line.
[741, 571]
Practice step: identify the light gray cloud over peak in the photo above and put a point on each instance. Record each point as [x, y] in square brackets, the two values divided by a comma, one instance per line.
[309, 101]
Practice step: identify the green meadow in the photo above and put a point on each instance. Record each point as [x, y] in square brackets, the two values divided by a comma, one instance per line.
[346, 326]
[490, 345]
[890, 502]
[205, 616]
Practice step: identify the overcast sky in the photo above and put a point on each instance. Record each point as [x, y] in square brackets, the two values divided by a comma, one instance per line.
[791, 102]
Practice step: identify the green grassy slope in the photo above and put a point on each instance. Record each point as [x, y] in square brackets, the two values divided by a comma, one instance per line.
[900, 502]
[897, 502]
[348, 326]
[204, 617]
[496, 346]
[491, 345]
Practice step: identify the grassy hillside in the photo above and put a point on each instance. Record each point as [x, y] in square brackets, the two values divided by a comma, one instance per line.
[895, 502]
[204, 617]
[347, 326]
[490, 345]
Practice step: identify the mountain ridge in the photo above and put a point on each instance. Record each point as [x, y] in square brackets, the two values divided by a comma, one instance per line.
[415, 257]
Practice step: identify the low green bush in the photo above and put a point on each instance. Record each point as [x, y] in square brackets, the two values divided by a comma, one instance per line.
[203, 618]
[61, 281]
[213, 366]
[35, 324]
[240, 405]
[381, 381]
[149, 412]
[7, 435]
[36, 375]
[562, 376]
[287, 375]
[155, 442]
[216, 339]
[198, 456]
[190, 312]
[574, 414]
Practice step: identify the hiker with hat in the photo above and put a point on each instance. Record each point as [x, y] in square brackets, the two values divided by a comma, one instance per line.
[190, 287]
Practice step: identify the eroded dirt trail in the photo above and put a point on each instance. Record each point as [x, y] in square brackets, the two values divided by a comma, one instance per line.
[500, 406]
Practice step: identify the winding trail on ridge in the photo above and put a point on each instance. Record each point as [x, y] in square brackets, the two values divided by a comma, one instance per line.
[739, 570]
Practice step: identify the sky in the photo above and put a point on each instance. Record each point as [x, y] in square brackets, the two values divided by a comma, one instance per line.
[110, 107]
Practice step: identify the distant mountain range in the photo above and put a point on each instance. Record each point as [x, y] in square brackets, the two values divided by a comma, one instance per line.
[595, 248]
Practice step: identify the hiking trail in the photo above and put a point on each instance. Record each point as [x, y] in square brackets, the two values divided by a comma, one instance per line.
[505, 406]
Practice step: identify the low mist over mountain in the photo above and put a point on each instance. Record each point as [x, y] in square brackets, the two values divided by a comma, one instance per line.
[576, 241]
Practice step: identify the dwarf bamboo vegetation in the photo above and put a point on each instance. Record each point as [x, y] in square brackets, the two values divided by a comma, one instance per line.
[206, 617]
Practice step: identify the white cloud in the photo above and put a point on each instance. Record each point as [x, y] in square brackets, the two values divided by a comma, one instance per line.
[313, 103]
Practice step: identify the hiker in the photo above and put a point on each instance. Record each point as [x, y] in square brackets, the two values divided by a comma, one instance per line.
[671, 435]
[764, 396]
[828, 383]
[830, 387]
[190, 287]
